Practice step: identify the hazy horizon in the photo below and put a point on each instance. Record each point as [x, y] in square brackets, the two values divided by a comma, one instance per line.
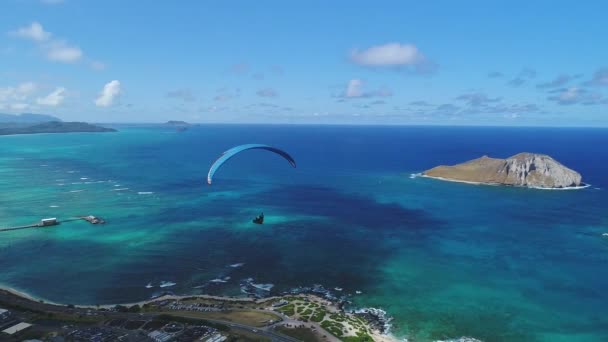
[467, 63]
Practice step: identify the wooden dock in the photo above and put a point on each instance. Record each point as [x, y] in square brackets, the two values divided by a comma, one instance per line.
[37, 225]
[46, 223]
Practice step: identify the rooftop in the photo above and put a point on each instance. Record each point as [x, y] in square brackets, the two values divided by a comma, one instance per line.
[16, 328]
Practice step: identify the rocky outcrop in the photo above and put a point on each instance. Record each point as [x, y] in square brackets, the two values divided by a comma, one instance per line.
[523, 169]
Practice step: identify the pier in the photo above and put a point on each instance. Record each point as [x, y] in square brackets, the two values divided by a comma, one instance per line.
[50, 222]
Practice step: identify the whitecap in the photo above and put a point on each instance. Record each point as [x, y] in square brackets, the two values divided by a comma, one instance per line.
[77, 190]
[83, 178]
[145, 193]
[217, 280]
[53, 206]
[120, 189]
[263, 287]
[149, 286]
[415, 175]
[167, 284]
[564, 188]
[237, 265]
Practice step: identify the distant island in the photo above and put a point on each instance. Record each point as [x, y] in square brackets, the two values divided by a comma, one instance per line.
[27, 118]
[180, 126]
[177, 123]
[50, 127]
[523, 169]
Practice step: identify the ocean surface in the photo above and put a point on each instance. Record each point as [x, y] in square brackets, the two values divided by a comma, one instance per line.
[444, 259]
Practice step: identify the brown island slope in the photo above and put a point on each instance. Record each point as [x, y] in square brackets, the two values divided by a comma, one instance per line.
[523, 169]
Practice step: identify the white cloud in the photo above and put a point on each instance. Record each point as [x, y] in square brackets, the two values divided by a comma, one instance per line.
[569, 95]
[53, 99]
[267, 92]
[19, 93]
[19, 106]
[34, 32]
[60, 51]
[600, 78]
[109, 93]
[55, 49]
[97, 65]
[353, 89]
[390, 55]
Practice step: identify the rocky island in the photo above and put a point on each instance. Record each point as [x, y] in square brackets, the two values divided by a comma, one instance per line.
[524, 169]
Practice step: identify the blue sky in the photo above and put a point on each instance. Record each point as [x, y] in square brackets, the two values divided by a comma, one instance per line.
[351, 62]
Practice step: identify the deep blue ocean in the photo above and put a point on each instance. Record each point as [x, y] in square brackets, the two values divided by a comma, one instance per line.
[444, 259]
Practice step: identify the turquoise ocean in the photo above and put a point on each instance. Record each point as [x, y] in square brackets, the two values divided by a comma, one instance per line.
[443, 259]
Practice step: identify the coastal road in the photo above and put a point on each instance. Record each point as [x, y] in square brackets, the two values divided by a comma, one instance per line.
[274, 336]
[12, 301]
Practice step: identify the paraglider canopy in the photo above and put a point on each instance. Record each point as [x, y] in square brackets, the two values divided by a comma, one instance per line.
[235, 150]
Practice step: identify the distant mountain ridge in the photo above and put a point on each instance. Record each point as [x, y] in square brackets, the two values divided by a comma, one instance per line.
[27, 118]
[51, 127]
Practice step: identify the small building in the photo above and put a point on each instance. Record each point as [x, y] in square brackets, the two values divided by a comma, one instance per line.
[159, 336]
[4, 313]
[48, 222]
[16, 328]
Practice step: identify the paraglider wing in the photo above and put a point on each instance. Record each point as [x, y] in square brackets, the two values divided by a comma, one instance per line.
[238, 149]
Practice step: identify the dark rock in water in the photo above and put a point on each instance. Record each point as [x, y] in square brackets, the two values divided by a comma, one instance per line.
[377, 318]
[523, 169]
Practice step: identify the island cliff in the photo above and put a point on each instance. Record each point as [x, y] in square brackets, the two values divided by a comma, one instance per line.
[523, 169]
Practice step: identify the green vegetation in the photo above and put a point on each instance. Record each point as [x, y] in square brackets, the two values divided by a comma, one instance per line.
[288, 309]
[335, 328]
[135, 308]
[319, 315]
[358, 338]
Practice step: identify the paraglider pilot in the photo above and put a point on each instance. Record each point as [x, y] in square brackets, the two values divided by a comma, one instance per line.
[259, 219]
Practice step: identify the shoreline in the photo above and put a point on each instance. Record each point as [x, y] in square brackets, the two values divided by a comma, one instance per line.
[376, 335]
[499, 184]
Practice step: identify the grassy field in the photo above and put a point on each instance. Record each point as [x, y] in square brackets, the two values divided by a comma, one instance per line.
[302, 334]
[252, 318]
